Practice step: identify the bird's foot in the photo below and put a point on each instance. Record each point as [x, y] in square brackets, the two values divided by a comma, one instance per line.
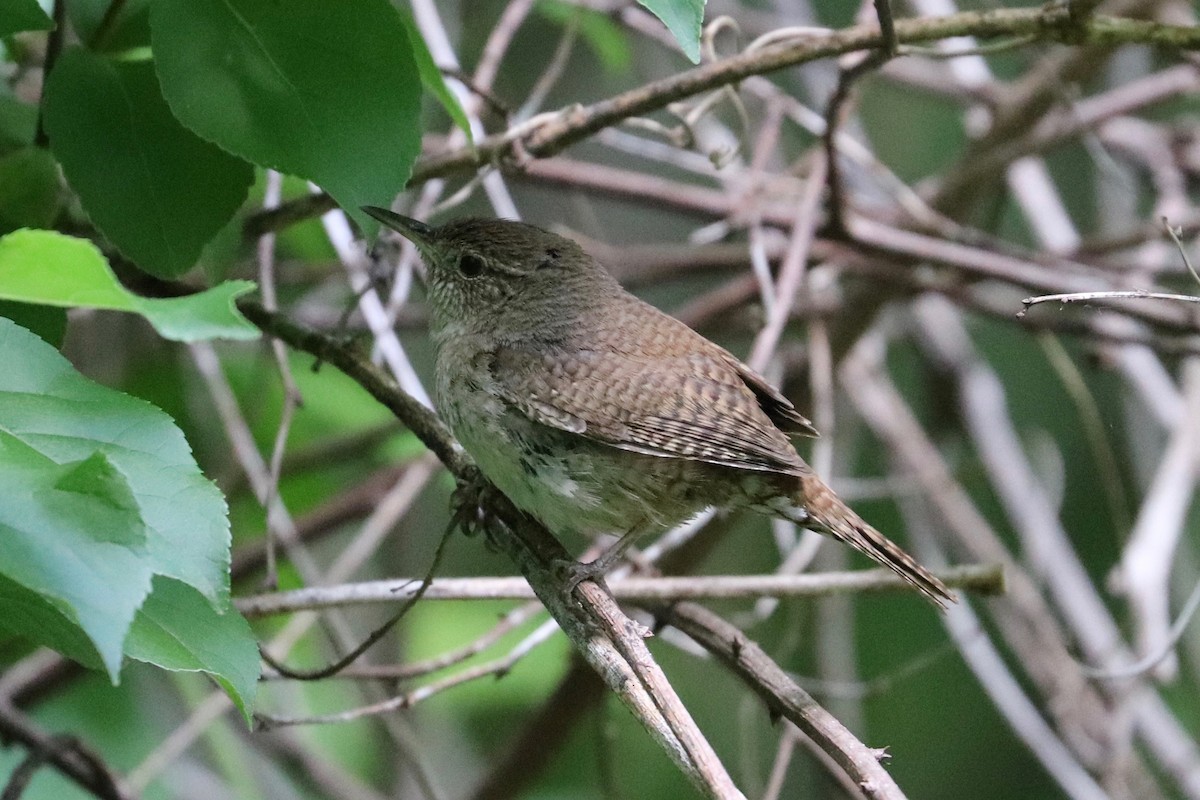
[574, 573]
[469, 504]
[571, 573]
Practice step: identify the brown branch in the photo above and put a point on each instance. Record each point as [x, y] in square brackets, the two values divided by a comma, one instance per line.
[574, 125]
[1028, 102]
[980, 579]
[67, 755]
[783, 695]
[423, 422]
[590, 618]
[973, 254]
[836, 109]
[54, 47]
[977, 263]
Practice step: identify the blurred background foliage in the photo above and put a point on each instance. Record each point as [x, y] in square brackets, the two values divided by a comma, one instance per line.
[908, 688]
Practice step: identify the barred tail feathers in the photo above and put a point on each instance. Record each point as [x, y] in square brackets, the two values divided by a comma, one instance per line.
[827, 514]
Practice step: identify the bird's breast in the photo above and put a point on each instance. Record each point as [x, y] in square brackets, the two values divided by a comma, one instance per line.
[571, 483]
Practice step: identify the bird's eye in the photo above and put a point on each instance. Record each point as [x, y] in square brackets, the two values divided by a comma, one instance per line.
[471, 266]
[552, 256]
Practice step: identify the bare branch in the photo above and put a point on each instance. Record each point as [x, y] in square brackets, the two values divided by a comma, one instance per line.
[66, 754]
[783, 696]
[983, 580]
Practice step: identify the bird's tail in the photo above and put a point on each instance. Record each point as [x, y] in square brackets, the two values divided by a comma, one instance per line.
[826, 513]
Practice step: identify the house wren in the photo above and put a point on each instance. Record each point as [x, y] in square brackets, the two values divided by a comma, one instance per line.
[597, 413]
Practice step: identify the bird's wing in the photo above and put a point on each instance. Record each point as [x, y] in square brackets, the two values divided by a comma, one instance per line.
[777, 407]
[693, 405]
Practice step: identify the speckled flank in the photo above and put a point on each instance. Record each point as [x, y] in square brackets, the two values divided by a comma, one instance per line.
[595, 412]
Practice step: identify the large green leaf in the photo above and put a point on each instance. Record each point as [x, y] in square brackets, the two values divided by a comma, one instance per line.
[35, 618]
[90, 19]
[101, 493]
[48, 322]
[53, 269]
[70, 533]
[432, 78]
[28, 189]
[154, 188]
[683, 19]
[177, 630]
[18, 122]
[327, 91]
[22, 15]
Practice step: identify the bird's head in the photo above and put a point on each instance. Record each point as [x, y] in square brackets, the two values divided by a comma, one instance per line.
[499, 275]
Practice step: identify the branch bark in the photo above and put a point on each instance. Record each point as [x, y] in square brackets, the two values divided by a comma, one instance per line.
[574, 125]
[611, 643]
[782, 695]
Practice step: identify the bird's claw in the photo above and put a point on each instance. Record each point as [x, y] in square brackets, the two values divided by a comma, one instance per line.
[570, 573]
[469, 504]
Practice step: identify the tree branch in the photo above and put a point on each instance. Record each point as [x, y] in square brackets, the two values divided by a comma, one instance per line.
[590, 618]
[986, 580]
[783, 695]
[68, 756]
[576, 124]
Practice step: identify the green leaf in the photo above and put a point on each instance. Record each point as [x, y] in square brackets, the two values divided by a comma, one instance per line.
[154, 188]
[130, 29]
[102, 486]
[28, 189]
[71, 534]
[606, 39]
[683, 19]
[46, 321]
[326, 91]
[26, 614]
[177, 630]
[18, 123]
[52, 269]
[23, 15]
[432, 78]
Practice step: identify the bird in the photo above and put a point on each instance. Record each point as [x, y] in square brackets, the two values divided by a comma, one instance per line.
[595, 412]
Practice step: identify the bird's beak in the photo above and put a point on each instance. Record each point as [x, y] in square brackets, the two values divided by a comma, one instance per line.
[416, 232]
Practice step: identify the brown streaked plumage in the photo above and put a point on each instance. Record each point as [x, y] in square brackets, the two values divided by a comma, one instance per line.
[597, 413]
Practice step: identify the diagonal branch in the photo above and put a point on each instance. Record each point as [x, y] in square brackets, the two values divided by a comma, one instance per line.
[590, 618]
[68, 756]
[574, 125]
[784, 697]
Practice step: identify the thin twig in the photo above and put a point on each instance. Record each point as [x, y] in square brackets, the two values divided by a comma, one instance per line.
[367, 643]
[783, 695]
[495, 668]
[1088, 297]
[984, 580]
[573, 125]
[394, 672]
[1152, 659]
[1175, 233]
[291, 392]
[67, 755]
[498, 41]
[619, 655]
[54, 47]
